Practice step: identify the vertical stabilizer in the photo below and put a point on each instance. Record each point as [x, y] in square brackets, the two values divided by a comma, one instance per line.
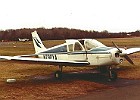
[38, 45]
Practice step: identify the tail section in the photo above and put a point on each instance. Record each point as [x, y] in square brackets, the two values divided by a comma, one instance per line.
[38, 45]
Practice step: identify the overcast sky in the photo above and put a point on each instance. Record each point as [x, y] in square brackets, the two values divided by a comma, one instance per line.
[98, 15]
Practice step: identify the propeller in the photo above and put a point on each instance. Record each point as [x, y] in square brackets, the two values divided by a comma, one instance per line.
[124, 55]
[128, 59]
[120, 51]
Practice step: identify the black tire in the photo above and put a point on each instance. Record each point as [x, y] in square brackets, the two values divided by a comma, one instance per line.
[58, 75]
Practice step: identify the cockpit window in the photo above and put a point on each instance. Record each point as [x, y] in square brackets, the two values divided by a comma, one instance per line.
[58, 49]
[88, 45]
[70, 47]
[77, 47]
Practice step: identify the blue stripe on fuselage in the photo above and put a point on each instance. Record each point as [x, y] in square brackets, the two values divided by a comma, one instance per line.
[74, 53]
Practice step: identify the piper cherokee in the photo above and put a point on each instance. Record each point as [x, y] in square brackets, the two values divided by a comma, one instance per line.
[82, 52]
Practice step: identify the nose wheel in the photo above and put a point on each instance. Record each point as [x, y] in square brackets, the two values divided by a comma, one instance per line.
[109, 72]
[112, 75]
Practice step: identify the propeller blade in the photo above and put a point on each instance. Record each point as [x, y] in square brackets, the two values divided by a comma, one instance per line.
[123, 54]
[128, 59]
[120, 51]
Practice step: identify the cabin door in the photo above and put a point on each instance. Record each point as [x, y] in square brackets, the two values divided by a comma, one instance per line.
[76, 52]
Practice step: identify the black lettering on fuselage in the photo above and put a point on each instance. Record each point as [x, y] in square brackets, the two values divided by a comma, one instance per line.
[50, 56]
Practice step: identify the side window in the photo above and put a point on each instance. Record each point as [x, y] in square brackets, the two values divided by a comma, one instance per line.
[77, 47]
[70, 47]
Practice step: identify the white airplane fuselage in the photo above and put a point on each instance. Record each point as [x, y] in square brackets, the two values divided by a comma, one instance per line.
[95, 58]
[84, 50]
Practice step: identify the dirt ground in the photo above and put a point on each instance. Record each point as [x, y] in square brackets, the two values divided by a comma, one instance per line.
[40, 87]
[47, 89]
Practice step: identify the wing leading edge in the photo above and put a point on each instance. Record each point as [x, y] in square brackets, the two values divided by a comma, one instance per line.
[132, 50]
[45, 61]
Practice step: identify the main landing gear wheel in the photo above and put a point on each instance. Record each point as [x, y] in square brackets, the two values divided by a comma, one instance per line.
[58, 75]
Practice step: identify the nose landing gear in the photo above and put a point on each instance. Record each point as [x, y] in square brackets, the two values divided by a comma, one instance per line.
[112, 75]
[109, 72]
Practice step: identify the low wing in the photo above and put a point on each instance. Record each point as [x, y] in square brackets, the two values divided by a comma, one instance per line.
[132, 50]
[44, 61]
[30, 55]
[127, 52]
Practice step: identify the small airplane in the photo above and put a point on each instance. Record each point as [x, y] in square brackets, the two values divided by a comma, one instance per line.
[82, 52]
[23, 40]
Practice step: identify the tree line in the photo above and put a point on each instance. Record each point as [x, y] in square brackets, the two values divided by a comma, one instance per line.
[61, 33]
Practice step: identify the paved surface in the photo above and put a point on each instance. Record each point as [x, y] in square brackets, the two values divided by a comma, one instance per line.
[123, 90]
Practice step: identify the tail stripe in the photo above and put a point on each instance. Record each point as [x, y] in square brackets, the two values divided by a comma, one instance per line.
[37, 42]
[38, 45]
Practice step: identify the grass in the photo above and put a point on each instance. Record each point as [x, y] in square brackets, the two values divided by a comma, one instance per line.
[129, 42]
